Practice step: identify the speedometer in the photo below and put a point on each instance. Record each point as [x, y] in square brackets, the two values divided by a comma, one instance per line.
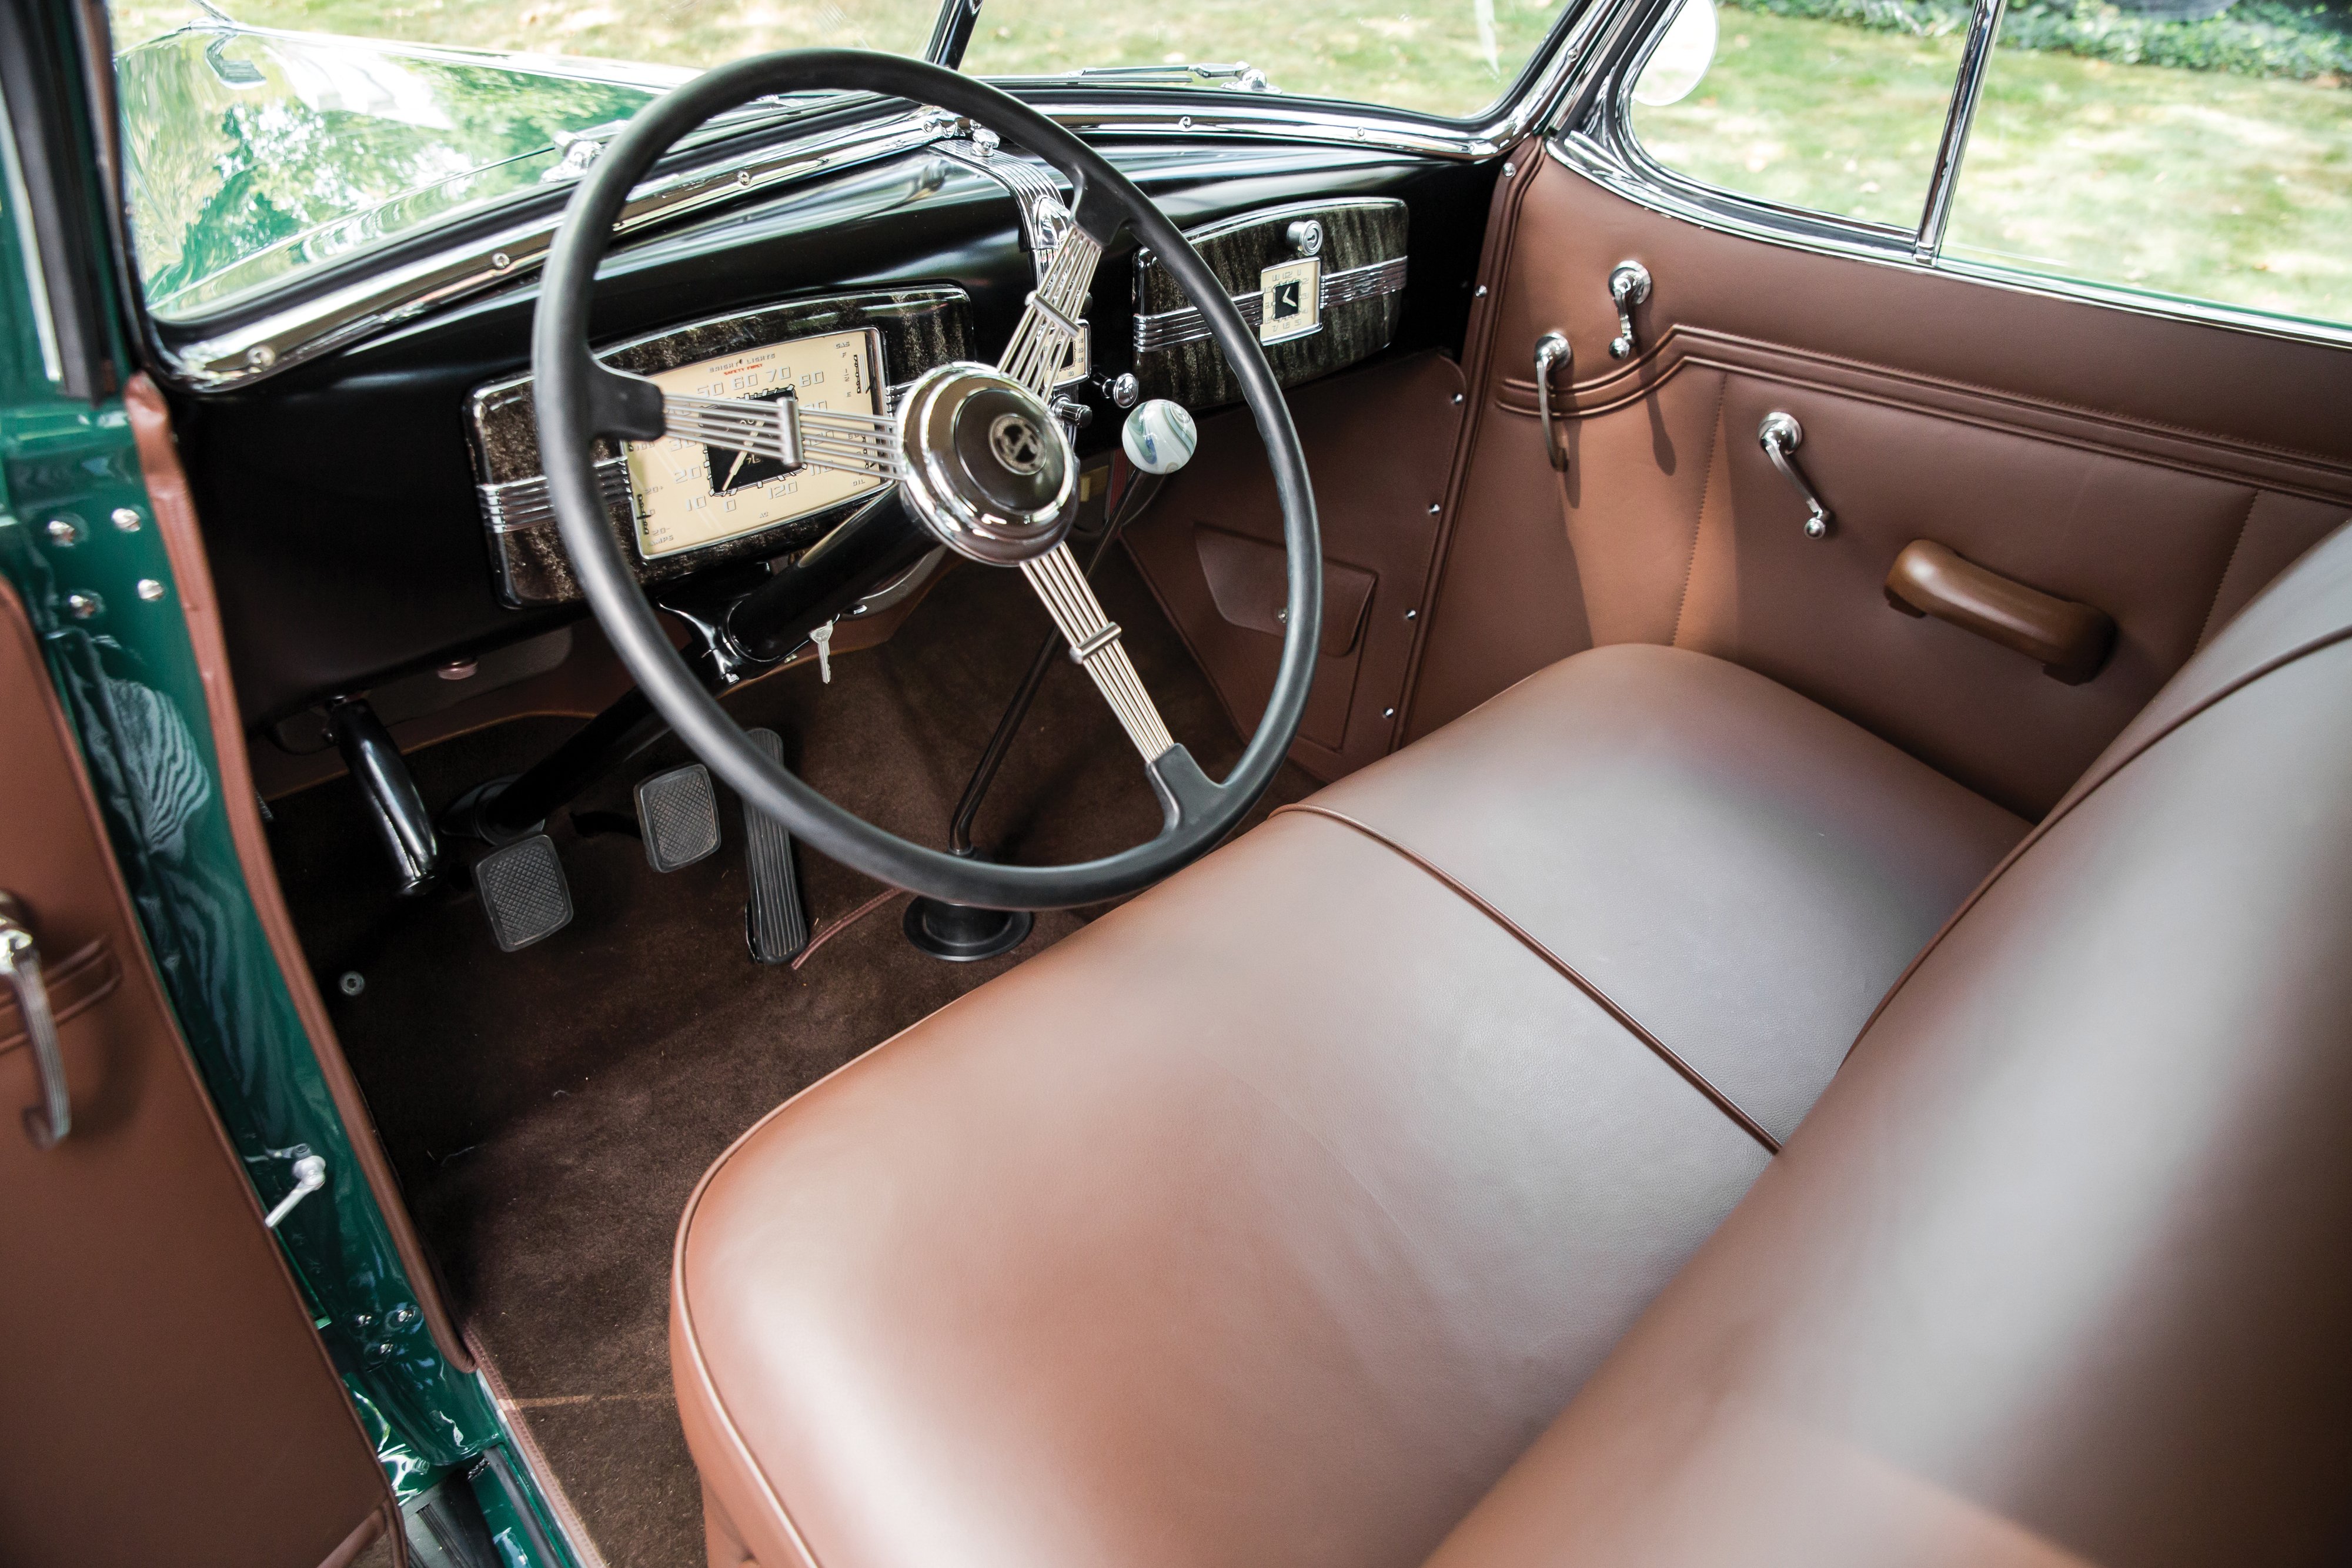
[689, 494]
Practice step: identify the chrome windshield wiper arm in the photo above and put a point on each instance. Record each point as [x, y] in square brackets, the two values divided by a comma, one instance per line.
[1239, 76]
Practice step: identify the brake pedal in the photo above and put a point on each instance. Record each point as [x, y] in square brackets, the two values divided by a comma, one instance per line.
[523, 892]
[773, 920]
[678, 811]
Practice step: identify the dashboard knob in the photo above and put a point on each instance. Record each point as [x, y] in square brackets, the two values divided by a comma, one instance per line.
[1159, 436]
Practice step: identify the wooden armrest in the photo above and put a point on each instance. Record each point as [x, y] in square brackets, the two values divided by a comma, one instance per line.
[2070, 640]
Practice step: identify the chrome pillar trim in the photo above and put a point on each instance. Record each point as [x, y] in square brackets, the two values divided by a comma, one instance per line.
[1166, 328]
[1780, 435]
[48, 1122]
[1943, 183]
[303, 331]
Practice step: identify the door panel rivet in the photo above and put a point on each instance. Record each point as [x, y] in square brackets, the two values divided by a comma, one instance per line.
[127, 519]
[65, 531]
[85, 606]
[150, 589]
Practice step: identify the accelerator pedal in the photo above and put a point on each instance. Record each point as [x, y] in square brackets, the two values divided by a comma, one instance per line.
[523, 892]
[774, 921]
[678, 811]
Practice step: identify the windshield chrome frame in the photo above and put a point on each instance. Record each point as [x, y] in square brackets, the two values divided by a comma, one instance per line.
[370, 295]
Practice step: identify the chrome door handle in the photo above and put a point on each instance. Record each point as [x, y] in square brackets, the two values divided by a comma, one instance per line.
[1629, 285]
[1781, 435]
[20, 963]
[1552, 353]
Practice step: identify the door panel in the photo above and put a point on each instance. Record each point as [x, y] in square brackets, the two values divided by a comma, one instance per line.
[2159, 469]
[1379, 443]
[167, 1401]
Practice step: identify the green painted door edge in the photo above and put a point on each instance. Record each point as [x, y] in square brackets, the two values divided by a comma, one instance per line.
[79, 543]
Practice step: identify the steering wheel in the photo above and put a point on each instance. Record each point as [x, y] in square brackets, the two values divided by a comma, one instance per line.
[980, 462]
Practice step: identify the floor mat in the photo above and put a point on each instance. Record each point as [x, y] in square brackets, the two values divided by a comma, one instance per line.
[548, 1111]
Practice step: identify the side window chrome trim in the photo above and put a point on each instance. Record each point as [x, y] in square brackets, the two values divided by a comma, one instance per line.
[1603, 148]
[1799, 229]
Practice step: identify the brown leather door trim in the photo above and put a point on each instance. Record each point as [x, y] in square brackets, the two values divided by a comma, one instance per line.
[1477, 347]
[1633, 1025]
[1680, 347]
[175, 518]
[225, 1384]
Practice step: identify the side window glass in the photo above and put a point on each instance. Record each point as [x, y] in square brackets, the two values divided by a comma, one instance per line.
[2207, 157]
[1811, 103]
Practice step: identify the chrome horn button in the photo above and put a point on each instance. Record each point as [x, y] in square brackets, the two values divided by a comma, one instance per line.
[988, 467]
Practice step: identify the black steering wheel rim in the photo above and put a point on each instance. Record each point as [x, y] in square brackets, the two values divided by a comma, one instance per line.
[577, 400]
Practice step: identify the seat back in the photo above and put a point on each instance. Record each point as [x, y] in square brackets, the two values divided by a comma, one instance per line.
[2057, 1270]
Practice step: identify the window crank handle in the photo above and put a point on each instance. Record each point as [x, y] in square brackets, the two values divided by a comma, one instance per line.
[1781, 435]
[1629, 285]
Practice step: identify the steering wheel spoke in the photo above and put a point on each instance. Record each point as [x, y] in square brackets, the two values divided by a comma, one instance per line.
[1047, 335]
[780, 430]
[1094, 647]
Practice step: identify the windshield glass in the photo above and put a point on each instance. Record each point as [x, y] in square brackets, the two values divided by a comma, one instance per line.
[269, 135]
[1452, 57]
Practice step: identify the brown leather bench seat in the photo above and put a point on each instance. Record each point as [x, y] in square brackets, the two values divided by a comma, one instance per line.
[1270, 1218]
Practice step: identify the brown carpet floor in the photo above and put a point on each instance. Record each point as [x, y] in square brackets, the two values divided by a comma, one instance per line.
[548, 1111]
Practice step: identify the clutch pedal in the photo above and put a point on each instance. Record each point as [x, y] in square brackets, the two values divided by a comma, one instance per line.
[774, 919]
[523, 892]
[678, 813]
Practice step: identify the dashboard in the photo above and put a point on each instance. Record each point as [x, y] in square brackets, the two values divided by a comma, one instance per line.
[378, 511]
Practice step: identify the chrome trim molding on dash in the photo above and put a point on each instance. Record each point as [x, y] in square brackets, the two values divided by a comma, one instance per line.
[1186, 325]
[520, 506]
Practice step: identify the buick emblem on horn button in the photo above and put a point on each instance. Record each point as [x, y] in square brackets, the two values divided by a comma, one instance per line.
[1017, 444]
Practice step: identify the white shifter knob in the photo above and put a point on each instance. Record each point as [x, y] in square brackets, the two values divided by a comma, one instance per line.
[1159, 436]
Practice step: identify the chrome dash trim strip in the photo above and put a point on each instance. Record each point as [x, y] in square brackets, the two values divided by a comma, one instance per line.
[520, 505]
[1166, 328]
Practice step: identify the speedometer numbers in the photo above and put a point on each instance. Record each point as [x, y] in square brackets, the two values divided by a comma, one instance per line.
[689, 494]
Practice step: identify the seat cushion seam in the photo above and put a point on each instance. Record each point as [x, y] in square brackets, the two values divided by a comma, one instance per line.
[1607, 1004]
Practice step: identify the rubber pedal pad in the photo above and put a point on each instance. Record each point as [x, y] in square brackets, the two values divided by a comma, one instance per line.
[677, 812]
[523, 892]
[775, 923]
